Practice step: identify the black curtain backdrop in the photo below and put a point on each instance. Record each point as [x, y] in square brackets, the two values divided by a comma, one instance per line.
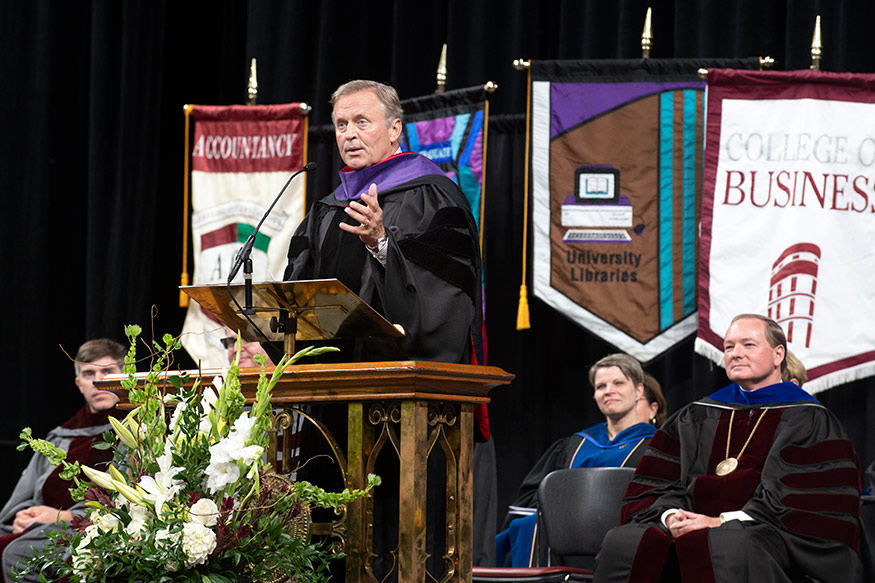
[91, 166]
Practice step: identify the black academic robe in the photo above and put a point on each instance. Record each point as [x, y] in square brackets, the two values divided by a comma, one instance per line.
[588, 448]
[430, 285]
[431, 282]
[798, 479]
[585, 449]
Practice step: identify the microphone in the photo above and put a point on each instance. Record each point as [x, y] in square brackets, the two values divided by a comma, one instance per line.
[244, 252]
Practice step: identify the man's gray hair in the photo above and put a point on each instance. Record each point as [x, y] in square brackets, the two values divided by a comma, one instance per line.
[386, 94]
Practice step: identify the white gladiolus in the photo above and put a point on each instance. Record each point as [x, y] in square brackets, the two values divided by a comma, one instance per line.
[83, 559]
[223, 469]
[220, 474]
[208, 403]
[164, 538]
[174, 419]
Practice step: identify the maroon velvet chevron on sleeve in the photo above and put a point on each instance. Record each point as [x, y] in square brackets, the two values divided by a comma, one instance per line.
[824, 502]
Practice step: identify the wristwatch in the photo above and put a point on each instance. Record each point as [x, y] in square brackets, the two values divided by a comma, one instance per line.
[381, 251]
[380, 243]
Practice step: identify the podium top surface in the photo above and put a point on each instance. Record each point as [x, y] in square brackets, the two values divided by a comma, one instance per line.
[319, 309]
[360, 381]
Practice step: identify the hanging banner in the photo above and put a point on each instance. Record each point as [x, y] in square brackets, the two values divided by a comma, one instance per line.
[449, 129]
[241, 157]
[616, 182]
[788, 216]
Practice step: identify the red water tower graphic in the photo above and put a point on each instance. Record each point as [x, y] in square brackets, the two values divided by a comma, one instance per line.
[792, 291]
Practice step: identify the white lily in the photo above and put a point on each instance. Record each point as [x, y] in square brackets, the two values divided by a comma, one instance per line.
[163, 486]
[102, 479]
[131, 494]
[116, 474]
[124, 434]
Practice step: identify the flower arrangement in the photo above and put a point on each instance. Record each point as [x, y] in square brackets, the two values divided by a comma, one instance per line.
[191, 500]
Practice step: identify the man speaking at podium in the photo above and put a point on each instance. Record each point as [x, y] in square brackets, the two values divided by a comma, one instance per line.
[396, 231]
[400, 234]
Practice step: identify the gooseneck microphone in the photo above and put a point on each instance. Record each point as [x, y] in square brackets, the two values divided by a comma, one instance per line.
[244, 252]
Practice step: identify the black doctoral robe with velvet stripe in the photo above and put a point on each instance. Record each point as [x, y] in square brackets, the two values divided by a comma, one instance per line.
[431, 282]
[430, 285]
[798, 479]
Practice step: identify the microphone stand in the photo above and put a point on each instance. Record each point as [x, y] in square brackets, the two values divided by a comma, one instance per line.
[247, 281]
[243, 257]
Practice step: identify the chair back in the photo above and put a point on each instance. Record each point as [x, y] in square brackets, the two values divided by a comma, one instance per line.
[576, 509]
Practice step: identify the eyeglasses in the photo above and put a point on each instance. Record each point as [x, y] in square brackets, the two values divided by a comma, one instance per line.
[228, 342]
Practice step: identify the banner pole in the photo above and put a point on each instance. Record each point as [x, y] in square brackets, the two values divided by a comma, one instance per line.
[522, 318]
[183, 277]
[488, 89]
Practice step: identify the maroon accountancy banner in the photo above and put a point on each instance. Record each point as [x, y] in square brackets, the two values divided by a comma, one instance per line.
[788, 215]
[241, 156]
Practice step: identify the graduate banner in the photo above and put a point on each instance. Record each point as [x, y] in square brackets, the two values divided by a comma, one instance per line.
[449, 129]
[241, 156]
[616, 182]
[788, 216]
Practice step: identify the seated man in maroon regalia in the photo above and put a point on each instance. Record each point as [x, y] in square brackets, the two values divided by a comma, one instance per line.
[756, 482]
[41, 499]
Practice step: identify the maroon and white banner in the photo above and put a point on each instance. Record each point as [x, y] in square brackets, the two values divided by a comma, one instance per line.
[788, 215]
[241, 157]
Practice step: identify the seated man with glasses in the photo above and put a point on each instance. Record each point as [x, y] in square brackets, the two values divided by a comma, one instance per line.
[41, 500]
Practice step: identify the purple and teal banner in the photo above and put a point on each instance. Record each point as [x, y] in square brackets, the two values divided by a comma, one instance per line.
[449, 128]
[617, 159]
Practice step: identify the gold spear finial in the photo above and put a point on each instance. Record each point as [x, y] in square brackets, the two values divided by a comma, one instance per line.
[646, 37]
[442, 71]
[816, 45]
[253, 83]
[521, 64]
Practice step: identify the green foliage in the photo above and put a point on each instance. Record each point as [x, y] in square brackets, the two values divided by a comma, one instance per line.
[176, 487]
[56, 456]
[316, 496]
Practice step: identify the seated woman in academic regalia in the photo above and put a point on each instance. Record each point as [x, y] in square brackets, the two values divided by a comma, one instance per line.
[633, 406]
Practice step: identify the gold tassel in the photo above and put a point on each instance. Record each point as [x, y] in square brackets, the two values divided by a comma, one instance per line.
[522, 315]
[183, 297]
[522, 318]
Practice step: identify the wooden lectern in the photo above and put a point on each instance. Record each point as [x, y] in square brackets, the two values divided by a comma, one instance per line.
[407, 411]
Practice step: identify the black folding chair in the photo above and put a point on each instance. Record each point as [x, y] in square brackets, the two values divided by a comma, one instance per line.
[576, 507]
